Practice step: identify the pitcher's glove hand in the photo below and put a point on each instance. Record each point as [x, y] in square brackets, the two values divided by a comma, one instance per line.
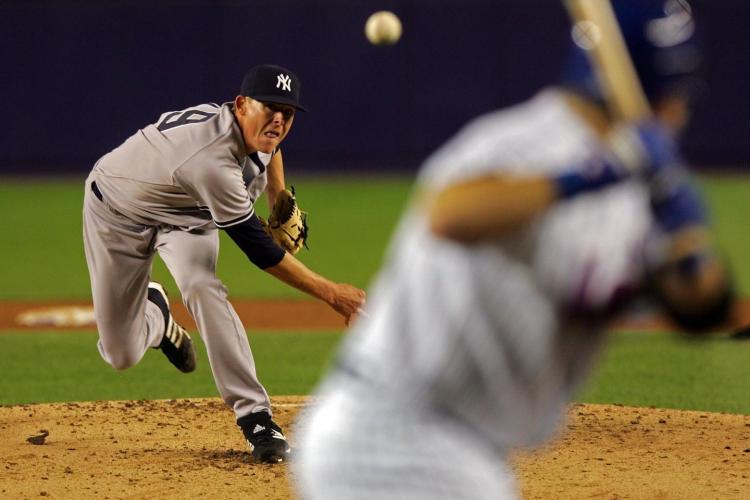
[287, 224]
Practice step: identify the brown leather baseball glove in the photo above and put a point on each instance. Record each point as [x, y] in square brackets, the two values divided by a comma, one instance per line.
[287, 224]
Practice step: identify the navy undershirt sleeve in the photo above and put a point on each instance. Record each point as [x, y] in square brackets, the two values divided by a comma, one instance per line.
[256, 243]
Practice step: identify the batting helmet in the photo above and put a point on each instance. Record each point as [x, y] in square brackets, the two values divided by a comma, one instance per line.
[664, 43]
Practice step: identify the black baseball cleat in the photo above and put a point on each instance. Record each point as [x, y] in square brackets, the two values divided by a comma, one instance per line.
[176, 344]
[266, 440]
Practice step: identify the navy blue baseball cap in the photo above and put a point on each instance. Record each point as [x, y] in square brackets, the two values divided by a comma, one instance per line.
[271, 83]
[665, 44]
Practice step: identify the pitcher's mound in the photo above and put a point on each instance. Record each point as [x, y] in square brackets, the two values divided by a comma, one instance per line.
[192, 448]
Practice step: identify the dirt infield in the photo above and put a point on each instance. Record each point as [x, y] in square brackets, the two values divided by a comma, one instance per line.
[192, 449]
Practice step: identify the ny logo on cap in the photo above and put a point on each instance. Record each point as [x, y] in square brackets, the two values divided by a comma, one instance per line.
[284, 82]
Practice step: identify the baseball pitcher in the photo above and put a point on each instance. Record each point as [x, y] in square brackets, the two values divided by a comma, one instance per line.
[168, 189]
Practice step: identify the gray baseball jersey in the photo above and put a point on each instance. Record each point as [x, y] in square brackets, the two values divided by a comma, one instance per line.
[470, 350]
[185, 169]
[166, 189]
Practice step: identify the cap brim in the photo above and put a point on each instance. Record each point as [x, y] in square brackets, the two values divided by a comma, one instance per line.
[279, 100]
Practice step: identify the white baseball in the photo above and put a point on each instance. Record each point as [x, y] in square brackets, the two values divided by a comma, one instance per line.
[383, 28]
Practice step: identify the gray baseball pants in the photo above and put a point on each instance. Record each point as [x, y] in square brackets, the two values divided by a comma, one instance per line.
[119, 253]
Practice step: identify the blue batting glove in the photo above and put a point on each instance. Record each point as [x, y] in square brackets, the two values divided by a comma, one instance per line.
[679, 206]
[644, 149]
[675, 202]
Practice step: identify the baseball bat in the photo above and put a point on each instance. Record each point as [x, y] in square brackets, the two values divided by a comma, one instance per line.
[595, 22]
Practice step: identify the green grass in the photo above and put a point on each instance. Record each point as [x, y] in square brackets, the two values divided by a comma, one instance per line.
[727, 197]
[637, 369]
[350, 221]
[671, 371]
[49, 367]
[42, 255]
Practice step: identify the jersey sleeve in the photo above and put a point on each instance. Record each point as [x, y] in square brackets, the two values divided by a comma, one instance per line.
[220, 188]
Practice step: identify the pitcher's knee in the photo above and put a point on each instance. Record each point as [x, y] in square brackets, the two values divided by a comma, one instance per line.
[118, 358]
[122, 361]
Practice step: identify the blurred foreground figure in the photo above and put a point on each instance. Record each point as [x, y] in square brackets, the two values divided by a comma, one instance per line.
[534, 225]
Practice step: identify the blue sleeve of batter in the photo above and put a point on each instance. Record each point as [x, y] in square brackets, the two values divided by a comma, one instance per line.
[256, 243]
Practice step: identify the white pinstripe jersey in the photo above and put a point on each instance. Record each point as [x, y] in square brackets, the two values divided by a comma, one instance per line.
[481, 332]
[187, 169]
